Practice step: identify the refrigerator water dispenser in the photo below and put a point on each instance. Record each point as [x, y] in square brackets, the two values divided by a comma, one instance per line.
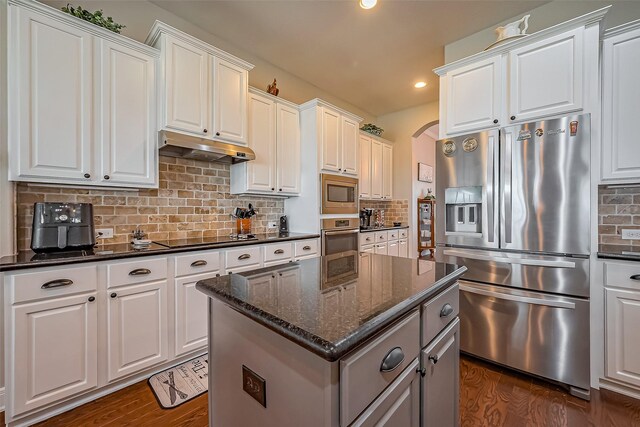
[463, 210]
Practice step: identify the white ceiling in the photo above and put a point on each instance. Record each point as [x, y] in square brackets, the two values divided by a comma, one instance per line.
[369, 58]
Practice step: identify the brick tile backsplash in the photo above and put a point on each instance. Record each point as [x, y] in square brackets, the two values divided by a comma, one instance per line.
[618, 209]
[394, 210]
[192, 200]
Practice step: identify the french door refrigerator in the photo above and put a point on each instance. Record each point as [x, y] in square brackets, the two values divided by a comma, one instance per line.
[514, 207]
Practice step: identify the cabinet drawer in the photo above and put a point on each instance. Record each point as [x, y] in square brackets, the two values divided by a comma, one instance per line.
[306, 248]
[403, 233]
[128, 273]
[438, 313]
[623, 275]
[277, 252]
[381, 236]
[243, 257]
[393, 234]
[367, 238]
[52, 283]
[199, 262]
[367, 372]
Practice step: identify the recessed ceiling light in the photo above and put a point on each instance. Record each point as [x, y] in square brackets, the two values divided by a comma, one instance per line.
[420, 85]
[368, 4]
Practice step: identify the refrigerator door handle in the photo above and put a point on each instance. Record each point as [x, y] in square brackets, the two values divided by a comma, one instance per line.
[507, 191]
[490, 189]
[506, 260]
[518, 298]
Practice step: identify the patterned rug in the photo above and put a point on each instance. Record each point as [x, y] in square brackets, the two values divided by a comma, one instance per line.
[181, 383]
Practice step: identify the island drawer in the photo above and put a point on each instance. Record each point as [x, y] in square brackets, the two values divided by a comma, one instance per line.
[139, 271]
[52, 283]
[243, 257]
[199, 262]
[439, 312]
[306, 248]
[277, 252]
[365, 373]
[367, 238]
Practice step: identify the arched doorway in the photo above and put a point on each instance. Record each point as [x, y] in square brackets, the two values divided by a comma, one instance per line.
[423, 145]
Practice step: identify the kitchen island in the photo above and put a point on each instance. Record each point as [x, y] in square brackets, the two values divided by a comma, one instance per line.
[346, 339]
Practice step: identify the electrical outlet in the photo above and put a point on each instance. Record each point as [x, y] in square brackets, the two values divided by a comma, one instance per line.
[272, 224]
[104, 233]
[630, 234]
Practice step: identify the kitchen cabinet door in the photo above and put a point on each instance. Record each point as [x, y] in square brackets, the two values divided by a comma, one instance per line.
[230, 90]
[55, 344]
[474, 96]
[387, 171]
[370, 249]
[127, 115]
[350, 147]
[403, 248]
[187, 87]
[393, 248]
[330, 140]
[376, 170]
[621, 109]
[382, 249]
[261, 172]
[288, 147]
[50, 92]
[364, 174]
[137, 328]
[440, 384]
[190, 315]
[623, 335]
[546, 77]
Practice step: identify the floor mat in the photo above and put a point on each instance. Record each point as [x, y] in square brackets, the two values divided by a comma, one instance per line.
[181, 383]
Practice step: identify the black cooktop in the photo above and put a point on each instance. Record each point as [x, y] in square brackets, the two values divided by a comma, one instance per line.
[204, 241]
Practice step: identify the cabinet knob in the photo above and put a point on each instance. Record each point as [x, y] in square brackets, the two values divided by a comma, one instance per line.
[495, 121]
[513, 117]
[273, 189]
[204, 130]
[217, 133]
[107, 177]
[280, 189]
[635, 277]
[87, 175]
[91, 299]
[433, 359]
[113, 295]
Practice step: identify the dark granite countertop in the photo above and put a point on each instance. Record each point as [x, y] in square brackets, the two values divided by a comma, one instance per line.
[627, 253]
[391, 227]
[373, 290]
[30, 259]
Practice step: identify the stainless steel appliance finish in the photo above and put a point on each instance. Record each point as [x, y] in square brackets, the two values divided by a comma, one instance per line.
[176, 144]
[527, 252]
[339, 235]
[62, 226]
[339, 267]
[497, 324]
[339, 194]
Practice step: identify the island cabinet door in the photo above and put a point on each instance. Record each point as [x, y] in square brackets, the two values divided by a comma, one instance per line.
[137, 328]
[398, 405]
[440, 384]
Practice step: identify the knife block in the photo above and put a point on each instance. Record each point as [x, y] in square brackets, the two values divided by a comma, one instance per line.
[243, 225]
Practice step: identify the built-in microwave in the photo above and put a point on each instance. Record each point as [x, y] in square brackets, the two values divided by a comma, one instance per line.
[339, 194]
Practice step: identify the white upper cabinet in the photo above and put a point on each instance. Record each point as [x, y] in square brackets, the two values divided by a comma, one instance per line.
[545, 78]
[349, 146]
[376, 170]
[230, 97]
[274, 136]
[364, 178]
[126, 128]
[387, 171]
[330, 140]
[82, 104]
[186, 87]
[621, 105]
[51, 99]
[204, 89]
[474, 96]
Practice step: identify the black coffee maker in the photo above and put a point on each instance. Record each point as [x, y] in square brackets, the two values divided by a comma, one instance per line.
[365, 218]
[62, 226]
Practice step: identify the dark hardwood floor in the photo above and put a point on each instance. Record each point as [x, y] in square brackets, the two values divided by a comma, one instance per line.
[489, 396]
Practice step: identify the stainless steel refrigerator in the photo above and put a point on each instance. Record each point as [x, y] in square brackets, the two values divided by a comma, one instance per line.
[514, 206]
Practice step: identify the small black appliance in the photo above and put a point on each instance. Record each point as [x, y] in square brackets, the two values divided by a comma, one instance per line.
[284, 224]
[62, 226]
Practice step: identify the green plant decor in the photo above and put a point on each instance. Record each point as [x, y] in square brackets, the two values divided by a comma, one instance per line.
[95, 18]
[372, 129]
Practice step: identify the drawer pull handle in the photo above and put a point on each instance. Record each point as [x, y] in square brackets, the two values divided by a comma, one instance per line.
[392, 360]
[57, 283]
[635, 277]
[140, 272]
[434, 359]
[446, 310]
[244, 256]
[198, 263]
[306, 248]
[278, 252]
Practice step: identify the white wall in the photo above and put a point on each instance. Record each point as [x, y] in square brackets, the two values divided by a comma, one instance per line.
[423, 152]
[542, 17]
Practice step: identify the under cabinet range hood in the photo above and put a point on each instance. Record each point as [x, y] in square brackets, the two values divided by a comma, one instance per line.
[176, 144]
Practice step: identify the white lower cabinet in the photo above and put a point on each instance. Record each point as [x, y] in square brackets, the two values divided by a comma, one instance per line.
[190, 307]
[137, 328]
[393, 248]
[403, 248]
[381, 249]
[55, 350]
[623, 335]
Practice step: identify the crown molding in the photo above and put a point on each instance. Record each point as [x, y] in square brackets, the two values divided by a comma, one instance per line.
[621, 29]
[317, 102]
[260, 92]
